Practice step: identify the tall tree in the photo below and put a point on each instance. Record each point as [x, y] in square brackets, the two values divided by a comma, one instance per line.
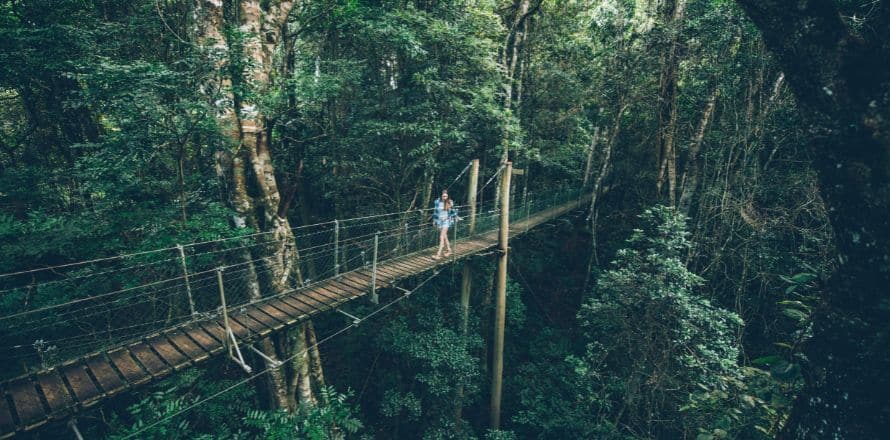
[674, 13]
[247, 35]
[840, 79]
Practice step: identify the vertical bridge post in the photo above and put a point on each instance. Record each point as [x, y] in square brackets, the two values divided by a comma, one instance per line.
[374, 298]
[525, 195]
[336, 248]
[497, 370]
[466, 282]
[467, 274]
[185, 274]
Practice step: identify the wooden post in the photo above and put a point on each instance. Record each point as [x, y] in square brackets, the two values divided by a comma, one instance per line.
[374, 298]
[185, 274]
[336, 247]
[471, 196]
[497, 368]
[467, 276]
[525, 195]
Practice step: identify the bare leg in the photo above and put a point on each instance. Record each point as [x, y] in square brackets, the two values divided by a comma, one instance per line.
[443, 236]
[447, 242]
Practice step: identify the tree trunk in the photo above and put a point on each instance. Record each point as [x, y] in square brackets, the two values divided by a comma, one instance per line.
[590, 152]
[842, 84]
[666, 157]
[689, 182]
[511, 55]
[593, 213]
[255, 195]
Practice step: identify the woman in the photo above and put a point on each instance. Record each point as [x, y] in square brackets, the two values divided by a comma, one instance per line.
[443, 216]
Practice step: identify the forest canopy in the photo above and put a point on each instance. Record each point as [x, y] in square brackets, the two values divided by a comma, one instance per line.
[722, 272]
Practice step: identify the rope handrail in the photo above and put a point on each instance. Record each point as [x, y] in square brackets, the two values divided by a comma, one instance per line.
[90, 321]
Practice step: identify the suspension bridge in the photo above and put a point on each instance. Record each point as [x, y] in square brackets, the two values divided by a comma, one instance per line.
[85, 332]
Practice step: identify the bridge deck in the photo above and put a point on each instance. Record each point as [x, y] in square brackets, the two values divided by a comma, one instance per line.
[28, 402]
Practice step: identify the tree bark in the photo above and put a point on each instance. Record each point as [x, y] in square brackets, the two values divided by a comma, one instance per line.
[841, 83]
[511, 54]
[255, 196]
[666, 157]
[590, 152]
[689, 182]
[593, 213]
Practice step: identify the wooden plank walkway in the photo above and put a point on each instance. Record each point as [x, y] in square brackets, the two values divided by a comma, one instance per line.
[28, 402]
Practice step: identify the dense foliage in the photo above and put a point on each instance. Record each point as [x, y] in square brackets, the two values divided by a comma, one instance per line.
[683, 302]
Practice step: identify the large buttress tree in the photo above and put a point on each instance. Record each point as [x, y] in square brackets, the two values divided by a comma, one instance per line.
[243, 37]
[838, 72]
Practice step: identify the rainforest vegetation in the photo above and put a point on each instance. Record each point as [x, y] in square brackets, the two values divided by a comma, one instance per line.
[724, 277]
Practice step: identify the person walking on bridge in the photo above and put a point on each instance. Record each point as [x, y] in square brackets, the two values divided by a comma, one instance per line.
[444, 215]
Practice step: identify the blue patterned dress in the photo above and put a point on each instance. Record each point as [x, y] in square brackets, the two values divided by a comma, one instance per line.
[443, 218]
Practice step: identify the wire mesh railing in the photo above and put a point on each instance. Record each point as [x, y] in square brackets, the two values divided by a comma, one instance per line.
[49, 316]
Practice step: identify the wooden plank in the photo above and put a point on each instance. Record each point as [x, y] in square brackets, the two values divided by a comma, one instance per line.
[215, 329]
[168, 353]
[294, 312]
[280, 311]
[399, 263]
[85, 390]
[333, 297]
[310, 301]
[407, 269]
[393, 274]
[27, 403]
[123, 361]
[267, 321]
[152, 363]
[420, 265]
[238, 328]
[366, 273]
[341, 296]
[204, 339]
[344, 289]
[248, 319]
[188, 347]
[299, 305]
[271, 324]
[104, 373]
[366, 280]
[7, 423]
[55, 391]
[324, 298]
[352, 283]
[282, 317]
[244, 328]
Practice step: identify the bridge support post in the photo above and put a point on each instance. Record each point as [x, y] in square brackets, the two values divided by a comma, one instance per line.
[374, 298]
[336, 248]
[229, 339]
[466, 281]
[497, 370]
[185, 275]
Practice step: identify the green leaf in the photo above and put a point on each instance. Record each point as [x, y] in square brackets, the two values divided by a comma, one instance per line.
[795, 314]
